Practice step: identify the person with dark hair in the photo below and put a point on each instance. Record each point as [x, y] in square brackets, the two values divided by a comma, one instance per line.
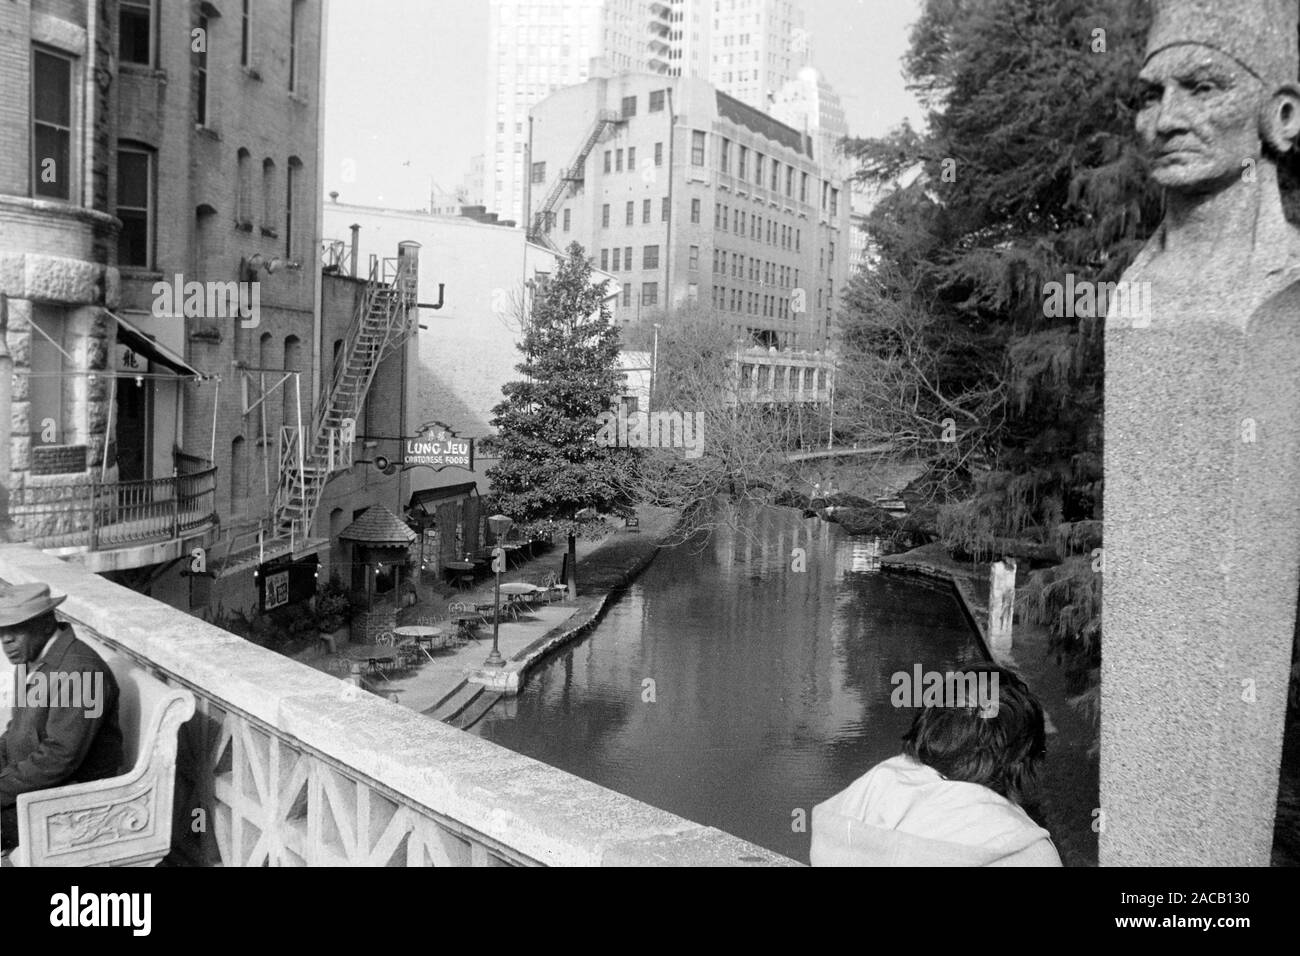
[953, 797]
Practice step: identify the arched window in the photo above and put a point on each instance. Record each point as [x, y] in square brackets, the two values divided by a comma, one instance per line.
[292, 363]
[244, 199]
[268, 197]
[290, 202]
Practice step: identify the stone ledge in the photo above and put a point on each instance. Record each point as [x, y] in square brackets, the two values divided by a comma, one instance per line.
[540, 812]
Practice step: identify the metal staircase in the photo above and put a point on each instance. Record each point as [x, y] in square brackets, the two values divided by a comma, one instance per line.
[544, 218]
[385, 318]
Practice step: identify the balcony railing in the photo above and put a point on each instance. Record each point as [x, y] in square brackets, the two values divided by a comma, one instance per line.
[86, 514]
[283, 765]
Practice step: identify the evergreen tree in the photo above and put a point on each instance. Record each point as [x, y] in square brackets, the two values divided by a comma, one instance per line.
[551, 468]
[1031, 171]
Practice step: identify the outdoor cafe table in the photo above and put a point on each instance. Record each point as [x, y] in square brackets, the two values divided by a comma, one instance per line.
[517, 591]
[421, 634]
[464, 571]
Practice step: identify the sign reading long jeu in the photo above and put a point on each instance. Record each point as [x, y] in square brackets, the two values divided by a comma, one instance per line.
[436, 446]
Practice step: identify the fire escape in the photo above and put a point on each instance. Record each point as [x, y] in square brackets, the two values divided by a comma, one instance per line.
[544, 218]
[385, 318]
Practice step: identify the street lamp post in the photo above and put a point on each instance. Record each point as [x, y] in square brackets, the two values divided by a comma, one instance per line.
[500, 525]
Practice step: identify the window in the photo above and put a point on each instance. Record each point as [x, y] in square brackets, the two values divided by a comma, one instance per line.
[659, 154]
[724, 156]
[693, 263]
[295, 14]
[52, 171]
[135, 31]
[742, 162]
[631, 213]
[566, 219]
[645, 210]
[201, 88]
[663, 211]
[246, 34]
[695, 210]
[650, 257]
[776, 176]
[629, 106]
[697, 147]
[604, 215]
[134, 192]
[290, 187]
[539, 172]
[609, 160]
[618, 161]
[758, 169]
[617, 260]
[627, 256]
[627, 293]
[631, 159]
[268, 197]
[604, 260]
[649, 293]
[244, 188]
[656, 101]
[835, 202]
[803, 187]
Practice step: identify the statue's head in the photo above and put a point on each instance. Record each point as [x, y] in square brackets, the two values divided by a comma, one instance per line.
[1219, 89]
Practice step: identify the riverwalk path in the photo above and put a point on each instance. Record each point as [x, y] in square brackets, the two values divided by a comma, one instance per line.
[453, 685]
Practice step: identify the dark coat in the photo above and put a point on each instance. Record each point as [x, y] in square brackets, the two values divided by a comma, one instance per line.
[47, 746]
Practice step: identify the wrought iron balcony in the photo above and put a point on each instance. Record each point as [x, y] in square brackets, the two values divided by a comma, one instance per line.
[117, 524]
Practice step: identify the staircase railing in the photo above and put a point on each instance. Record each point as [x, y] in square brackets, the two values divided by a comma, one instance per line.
[574, 172]
[383, 319]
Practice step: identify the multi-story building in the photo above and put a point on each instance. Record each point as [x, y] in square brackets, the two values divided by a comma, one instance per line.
[756, 47]
[538, 46]
[178, 381]
[810, 104]
[693, 200]
[467, 350]
[746, 48]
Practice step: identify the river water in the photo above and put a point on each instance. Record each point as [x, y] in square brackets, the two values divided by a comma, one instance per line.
[730, 688]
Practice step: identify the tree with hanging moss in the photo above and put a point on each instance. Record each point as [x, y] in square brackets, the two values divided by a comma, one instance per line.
[1029, 173]
[552, 476]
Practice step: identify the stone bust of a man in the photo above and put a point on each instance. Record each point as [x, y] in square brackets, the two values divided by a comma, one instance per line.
[1202, 451]
[1219, 104]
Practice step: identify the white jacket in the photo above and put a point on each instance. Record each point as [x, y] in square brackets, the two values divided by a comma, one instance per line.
[903, 813]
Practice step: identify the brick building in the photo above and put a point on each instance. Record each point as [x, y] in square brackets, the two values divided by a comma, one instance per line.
[693, 199]
[176, 356]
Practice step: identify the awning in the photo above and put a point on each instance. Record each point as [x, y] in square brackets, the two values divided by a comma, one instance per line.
[154, 351]
[428, 496]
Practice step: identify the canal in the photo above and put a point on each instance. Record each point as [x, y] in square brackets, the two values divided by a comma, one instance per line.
[737, 685]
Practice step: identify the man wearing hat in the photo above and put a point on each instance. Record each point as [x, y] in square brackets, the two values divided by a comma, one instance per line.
[51, 741]
[1202, 451]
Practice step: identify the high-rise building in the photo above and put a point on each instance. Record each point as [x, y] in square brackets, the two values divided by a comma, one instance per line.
[694, 200]
[811, 105]
[539, 46]
[756, 47]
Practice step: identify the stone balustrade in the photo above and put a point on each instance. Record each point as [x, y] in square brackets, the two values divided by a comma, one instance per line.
[284, 765]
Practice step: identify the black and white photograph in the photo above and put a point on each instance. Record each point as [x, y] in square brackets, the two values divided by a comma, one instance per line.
[650, 433]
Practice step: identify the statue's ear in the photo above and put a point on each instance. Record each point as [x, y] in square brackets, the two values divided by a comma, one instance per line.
[1281, 120]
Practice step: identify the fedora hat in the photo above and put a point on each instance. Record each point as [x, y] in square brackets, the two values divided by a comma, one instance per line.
[22, 602]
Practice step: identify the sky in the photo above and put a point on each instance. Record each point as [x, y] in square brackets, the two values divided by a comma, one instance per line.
[406, 87]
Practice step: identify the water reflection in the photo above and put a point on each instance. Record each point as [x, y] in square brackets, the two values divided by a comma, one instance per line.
[730, 688]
